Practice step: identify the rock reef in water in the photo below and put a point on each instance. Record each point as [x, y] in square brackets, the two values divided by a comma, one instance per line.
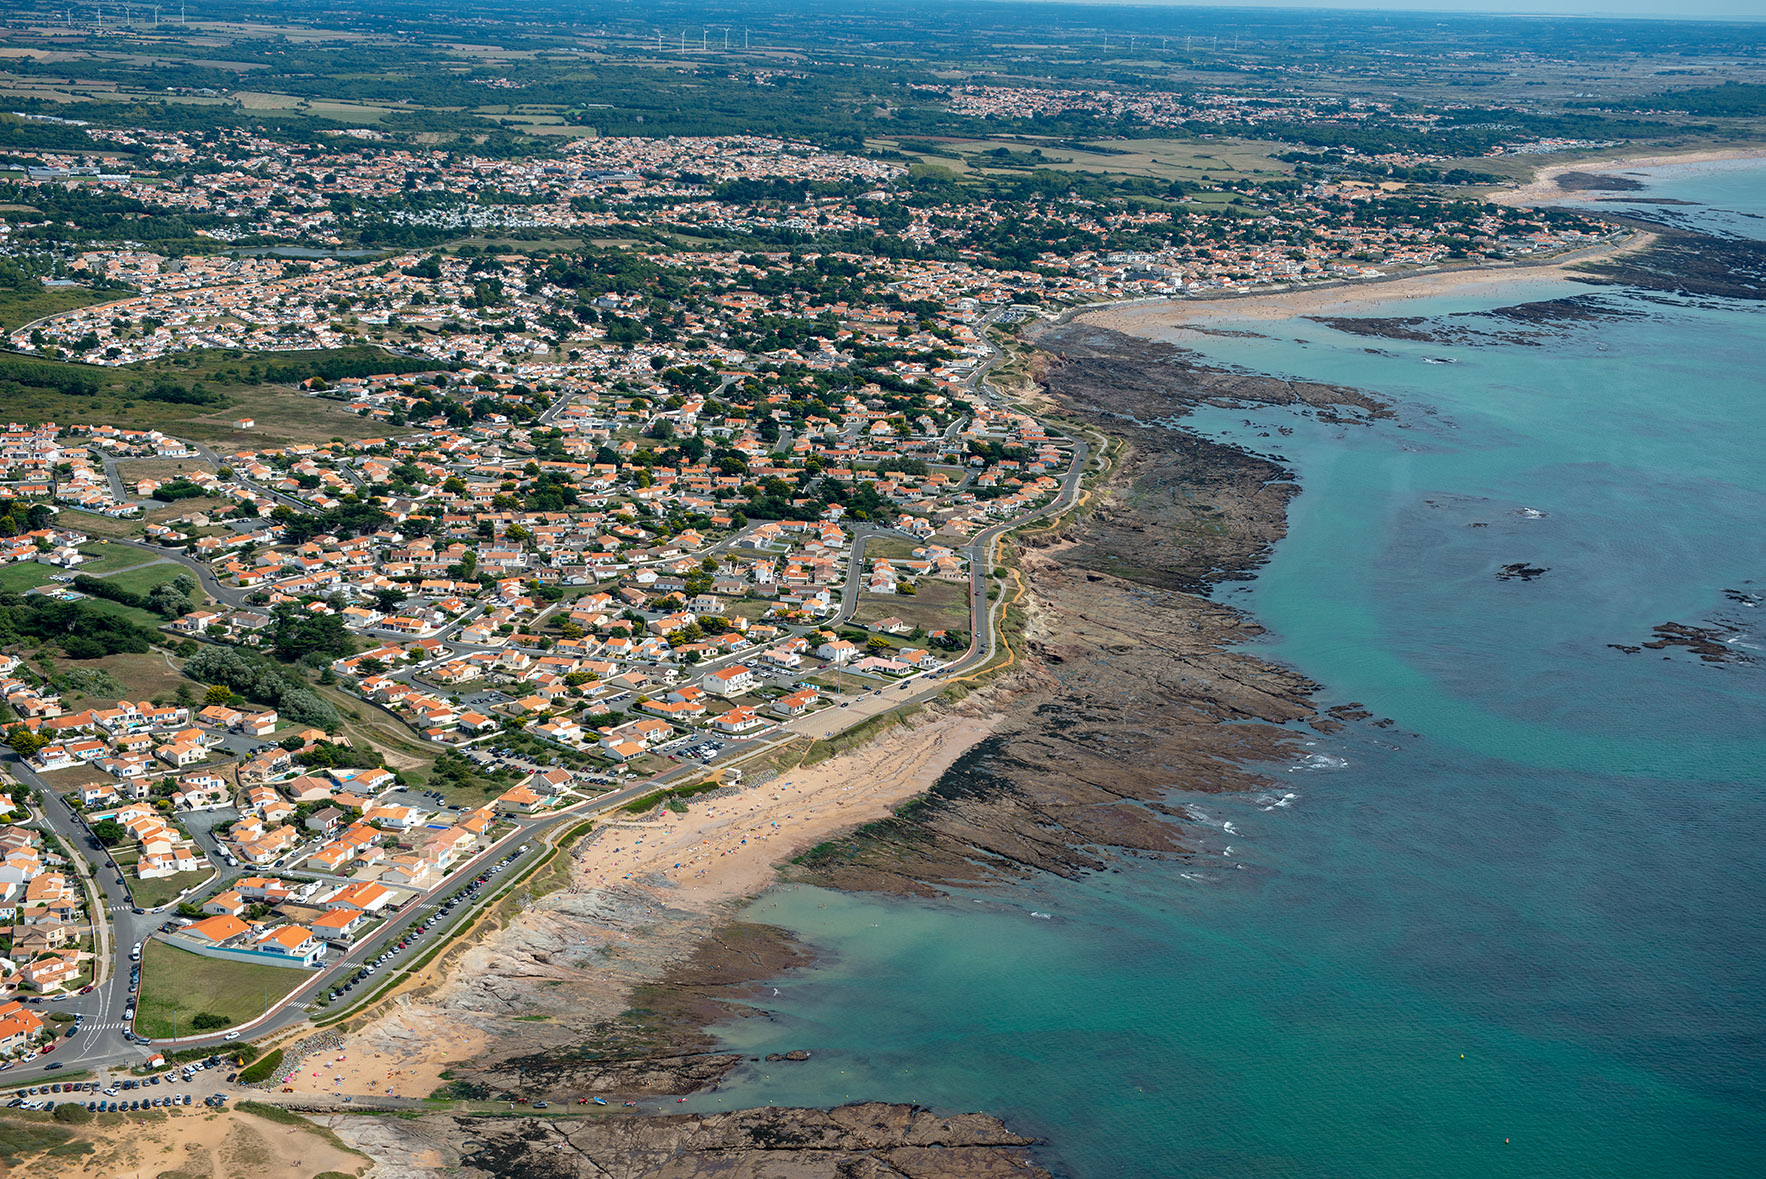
[1133, 683]
[870, 1140]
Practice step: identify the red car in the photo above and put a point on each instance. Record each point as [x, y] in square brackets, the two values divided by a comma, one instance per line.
[47, 1048]
[86, 990]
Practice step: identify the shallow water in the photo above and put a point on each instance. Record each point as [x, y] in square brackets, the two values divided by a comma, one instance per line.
[1518, 932]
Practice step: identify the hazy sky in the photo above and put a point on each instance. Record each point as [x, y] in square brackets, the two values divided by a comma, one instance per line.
[1750, 10]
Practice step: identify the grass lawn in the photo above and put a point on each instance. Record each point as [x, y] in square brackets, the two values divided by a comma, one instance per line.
[139, 581]
[280, 415]
[937, 605]
[890, 548]
[150, 894]
[25, 575]
[134, 614]
[369, 727]
[94, 524]
[109, 556]
[283, 414]
[132, 471]
[18, 308]
[178, 983]
[141, 677]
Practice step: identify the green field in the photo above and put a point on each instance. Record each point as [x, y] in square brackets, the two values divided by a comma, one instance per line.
[938, 605]
[281, 414]
[25, 575]
[177, 983]
[92, 524]
[139, 581]
[18, 308]
[150, 894]
[134, 614]
[109, 557]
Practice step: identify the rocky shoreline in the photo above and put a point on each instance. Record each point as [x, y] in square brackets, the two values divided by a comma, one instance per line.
[1129, 670]
[1125, 677]
[868, 1140]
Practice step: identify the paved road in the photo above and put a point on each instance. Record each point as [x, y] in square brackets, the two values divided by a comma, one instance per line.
[102, 1039]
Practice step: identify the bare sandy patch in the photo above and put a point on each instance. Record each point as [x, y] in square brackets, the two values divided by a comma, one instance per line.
[725, 847]
[643, 892]
[402, 1054]
[1151, 318]
[197, 1142]
[1543, 187]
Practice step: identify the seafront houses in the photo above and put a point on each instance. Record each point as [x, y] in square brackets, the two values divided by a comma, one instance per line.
[293, 942]
[730, 681]
[19, 1027]
[59, 971]
[339, 925]
[737, 720]
[227, 936]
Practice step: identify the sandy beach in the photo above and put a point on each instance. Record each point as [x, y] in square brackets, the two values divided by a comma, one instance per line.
[725, 847]
[1544, 188]
[703, 862]
[1150, 317]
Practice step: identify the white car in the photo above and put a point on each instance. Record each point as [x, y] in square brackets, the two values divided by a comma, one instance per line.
[231, 1036]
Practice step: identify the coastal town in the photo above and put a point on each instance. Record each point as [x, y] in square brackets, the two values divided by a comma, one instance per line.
[608, 515]
[503, 513]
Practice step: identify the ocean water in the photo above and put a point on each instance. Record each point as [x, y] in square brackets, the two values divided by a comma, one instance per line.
[1519, 931]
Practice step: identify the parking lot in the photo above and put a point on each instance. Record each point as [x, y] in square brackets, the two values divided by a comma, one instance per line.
[209, 1082]
[413, 937]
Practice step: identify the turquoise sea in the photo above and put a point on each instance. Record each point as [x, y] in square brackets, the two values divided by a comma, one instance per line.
[1519, 932]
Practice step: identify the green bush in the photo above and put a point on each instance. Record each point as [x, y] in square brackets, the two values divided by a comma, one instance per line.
[263, 1070]
[72, 1113]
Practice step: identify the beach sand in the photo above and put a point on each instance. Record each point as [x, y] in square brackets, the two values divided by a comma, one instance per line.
[1150, 318]
[724, 848]
[197, 1141]
[1543, 188]
[405, 1057]
[695, 867]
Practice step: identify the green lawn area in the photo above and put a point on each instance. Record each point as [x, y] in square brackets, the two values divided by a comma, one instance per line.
[18, 308]
[139, 581]
[93, 524]
[25, 575]
[107, 556]
[152, 893]
[938, 605]
[178, 983]
[134, 614]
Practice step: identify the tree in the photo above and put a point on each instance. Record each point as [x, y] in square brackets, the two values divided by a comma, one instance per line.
[109, 832]
[204, 1021]
[218, 694]
[24, 742]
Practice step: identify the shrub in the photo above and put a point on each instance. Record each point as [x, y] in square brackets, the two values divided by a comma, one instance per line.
[263, 1070]
[72, 1114]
